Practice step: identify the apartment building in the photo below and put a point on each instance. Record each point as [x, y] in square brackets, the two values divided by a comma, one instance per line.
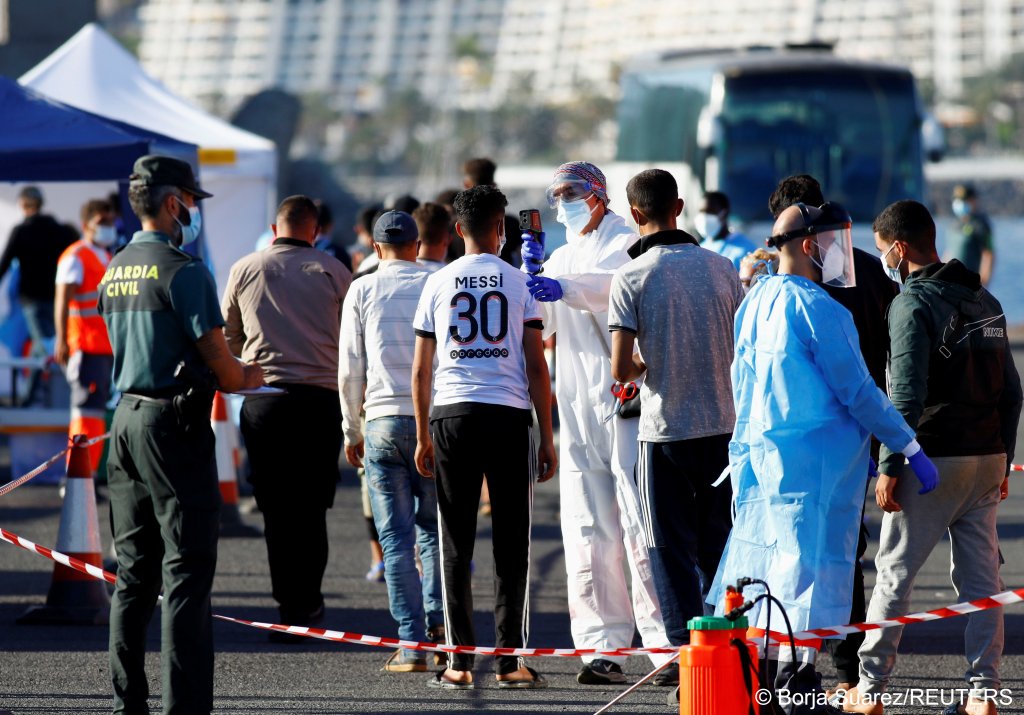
[350, 51]
[481, 52]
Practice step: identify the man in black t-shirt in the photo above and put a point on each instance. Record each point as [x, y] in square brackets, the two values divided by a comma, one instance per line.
[37, 243]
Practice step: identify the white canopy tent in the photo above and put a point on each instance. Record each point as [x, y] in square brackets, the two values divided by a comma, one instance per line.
[92, 71]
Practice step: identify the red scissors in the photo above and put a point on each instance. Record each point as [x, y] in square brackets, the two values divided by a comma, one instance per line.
[625, 392]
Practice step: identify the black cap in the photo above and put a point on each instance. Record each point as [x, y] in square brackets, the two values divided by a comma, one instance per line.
[155, 170]
[395, 227]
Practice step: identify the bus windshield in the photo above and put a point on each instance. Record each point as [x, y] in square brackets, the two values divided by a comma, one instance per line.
[856, 131]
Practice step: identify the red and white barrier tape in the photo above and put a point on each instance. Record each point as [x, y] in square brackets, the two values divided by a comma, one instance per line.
[29, 476]
[69, 561]
[96, 440]
[958, 609]
[340, 636]
[1005, 598]
[808, 638]
[346, 637]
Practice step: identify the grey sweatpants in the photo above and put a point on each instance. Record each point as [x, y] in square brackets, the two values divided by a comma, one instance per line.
[965, 504]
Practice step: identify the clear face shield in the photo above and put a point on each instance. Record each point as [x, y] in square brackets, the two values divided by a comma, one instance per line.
[835, 255]
[831, 229]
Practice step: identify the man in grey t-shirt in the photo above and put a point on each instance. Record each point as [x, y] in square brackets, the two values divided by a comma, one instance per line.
[677, 301]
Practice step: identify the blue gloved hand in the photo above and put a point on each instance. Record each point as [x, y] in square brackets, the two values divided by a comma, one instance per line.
[546, 290]
[925, 470]
[532, 252]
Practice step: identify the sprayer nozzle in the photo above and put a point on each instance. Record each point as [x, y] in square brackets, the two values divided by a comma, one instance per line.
[739, 610]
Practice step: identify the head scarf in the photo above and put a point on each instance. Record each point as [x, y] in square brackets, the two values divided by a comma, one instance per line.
[587, 172]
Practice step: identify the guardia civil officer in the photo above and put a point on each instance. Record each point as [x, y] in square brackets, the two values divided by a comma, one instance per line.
[161, 309]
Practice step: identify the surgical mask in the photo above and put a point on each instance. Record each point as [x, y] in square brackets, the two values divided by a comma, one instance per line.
[574, 215]
[190, 232]
[105, 236]
[960, 208]
[501, 238]
[707, 225]
[832, 263]
[893, 273]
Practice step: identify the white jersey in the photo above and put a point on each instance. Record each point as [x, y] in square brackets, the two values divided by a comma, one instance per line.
[477, 308]
[376, 346]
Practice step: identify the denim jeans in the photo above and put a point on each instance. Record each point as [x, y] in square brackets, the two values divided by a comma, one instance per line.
[39, 319]
[405, 511]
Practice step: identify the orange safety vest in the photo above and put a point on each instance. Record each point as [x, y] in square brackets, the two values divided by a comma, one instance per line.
[86, 330]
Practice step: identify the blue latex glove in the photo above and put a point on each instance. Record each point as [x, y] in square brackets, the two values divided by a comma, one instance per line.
[546, 290]
[532, 253]
[925, 470]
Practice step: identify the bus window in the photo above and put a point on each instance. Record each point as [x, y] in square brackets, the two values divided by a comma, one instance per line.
[658, 115]
[856, 130]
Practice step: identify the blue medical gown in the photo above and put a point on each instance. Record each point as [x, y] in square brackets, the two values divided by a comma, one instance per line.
[805, 410]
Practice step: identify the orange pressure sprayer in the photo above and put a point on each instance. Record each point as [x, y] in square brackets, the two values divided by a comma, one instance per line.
[713, 677]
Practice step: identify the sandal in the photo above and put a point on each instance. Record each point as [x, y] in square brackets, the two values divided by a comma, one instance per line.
[440, 683]
[403, 661]
[538, 681]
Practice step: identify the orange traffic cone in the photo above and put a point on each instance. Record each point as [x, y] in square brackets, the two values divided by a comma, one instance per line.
[231, 523]
[76, 598]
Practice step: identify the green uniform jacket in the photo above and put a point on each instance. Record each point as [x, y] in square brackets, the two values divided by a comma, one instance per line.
[157, 301]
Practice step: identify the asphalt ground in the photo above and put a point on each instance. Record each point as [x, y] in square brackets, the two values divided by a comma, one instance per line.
[46, 669]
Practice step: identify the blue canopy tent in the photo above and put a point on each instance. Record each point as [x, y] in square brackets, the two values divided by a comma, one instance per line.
[44, 140]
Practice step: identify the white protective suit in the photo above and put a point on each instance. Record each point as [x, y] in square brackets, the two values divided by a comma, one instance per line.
[599, 501]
